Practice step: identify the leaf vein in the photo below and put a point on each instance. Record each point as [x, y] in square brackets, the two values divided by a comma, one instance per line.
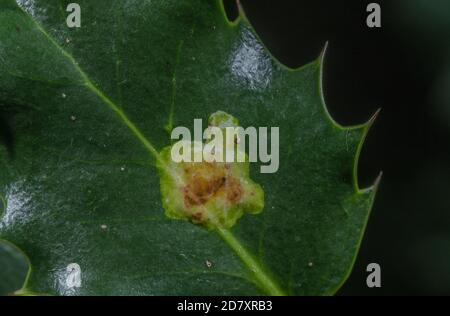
[94, 89]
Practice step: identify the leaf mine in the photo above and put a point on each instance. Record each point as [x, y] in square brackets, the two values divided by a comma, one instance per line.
[211, 194]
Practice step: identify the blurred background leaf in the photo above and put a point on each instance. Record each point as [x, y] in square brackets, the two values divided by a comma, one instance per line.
[13, 269]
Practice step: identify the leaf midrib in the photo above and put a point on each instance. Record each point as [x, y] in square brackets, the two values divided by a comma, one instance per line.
[262, 279]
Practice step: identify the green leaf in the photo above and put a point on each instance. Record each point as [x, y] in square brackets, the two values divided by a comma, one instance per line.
[13, 269]
[90, 110]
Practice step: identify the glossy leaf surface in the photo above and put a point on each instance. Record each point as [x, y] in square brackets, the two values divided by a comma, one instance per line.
[89, 110]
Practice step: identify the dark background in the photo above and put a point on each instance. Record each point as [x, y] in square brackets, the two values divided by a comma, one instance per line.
[403, 68]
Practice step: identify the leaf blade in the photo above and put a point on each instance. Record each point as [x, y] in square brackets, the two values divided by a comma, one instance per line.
[92, 165]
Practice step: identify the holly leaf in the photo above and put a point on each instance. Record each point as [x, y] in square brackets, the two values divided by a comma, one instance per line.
[84, 176]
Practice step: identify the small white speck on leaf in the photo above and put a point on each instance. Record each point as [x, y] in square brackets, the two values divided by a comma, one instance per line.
[67, 40]
[64, 95]
[122, 168]
[310, 264]
[208, 264]
[73, 118]
[103, 226]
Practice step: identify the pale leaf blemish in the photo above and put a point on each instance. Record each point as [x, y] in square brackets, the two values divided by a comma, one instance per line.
[70, 279]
